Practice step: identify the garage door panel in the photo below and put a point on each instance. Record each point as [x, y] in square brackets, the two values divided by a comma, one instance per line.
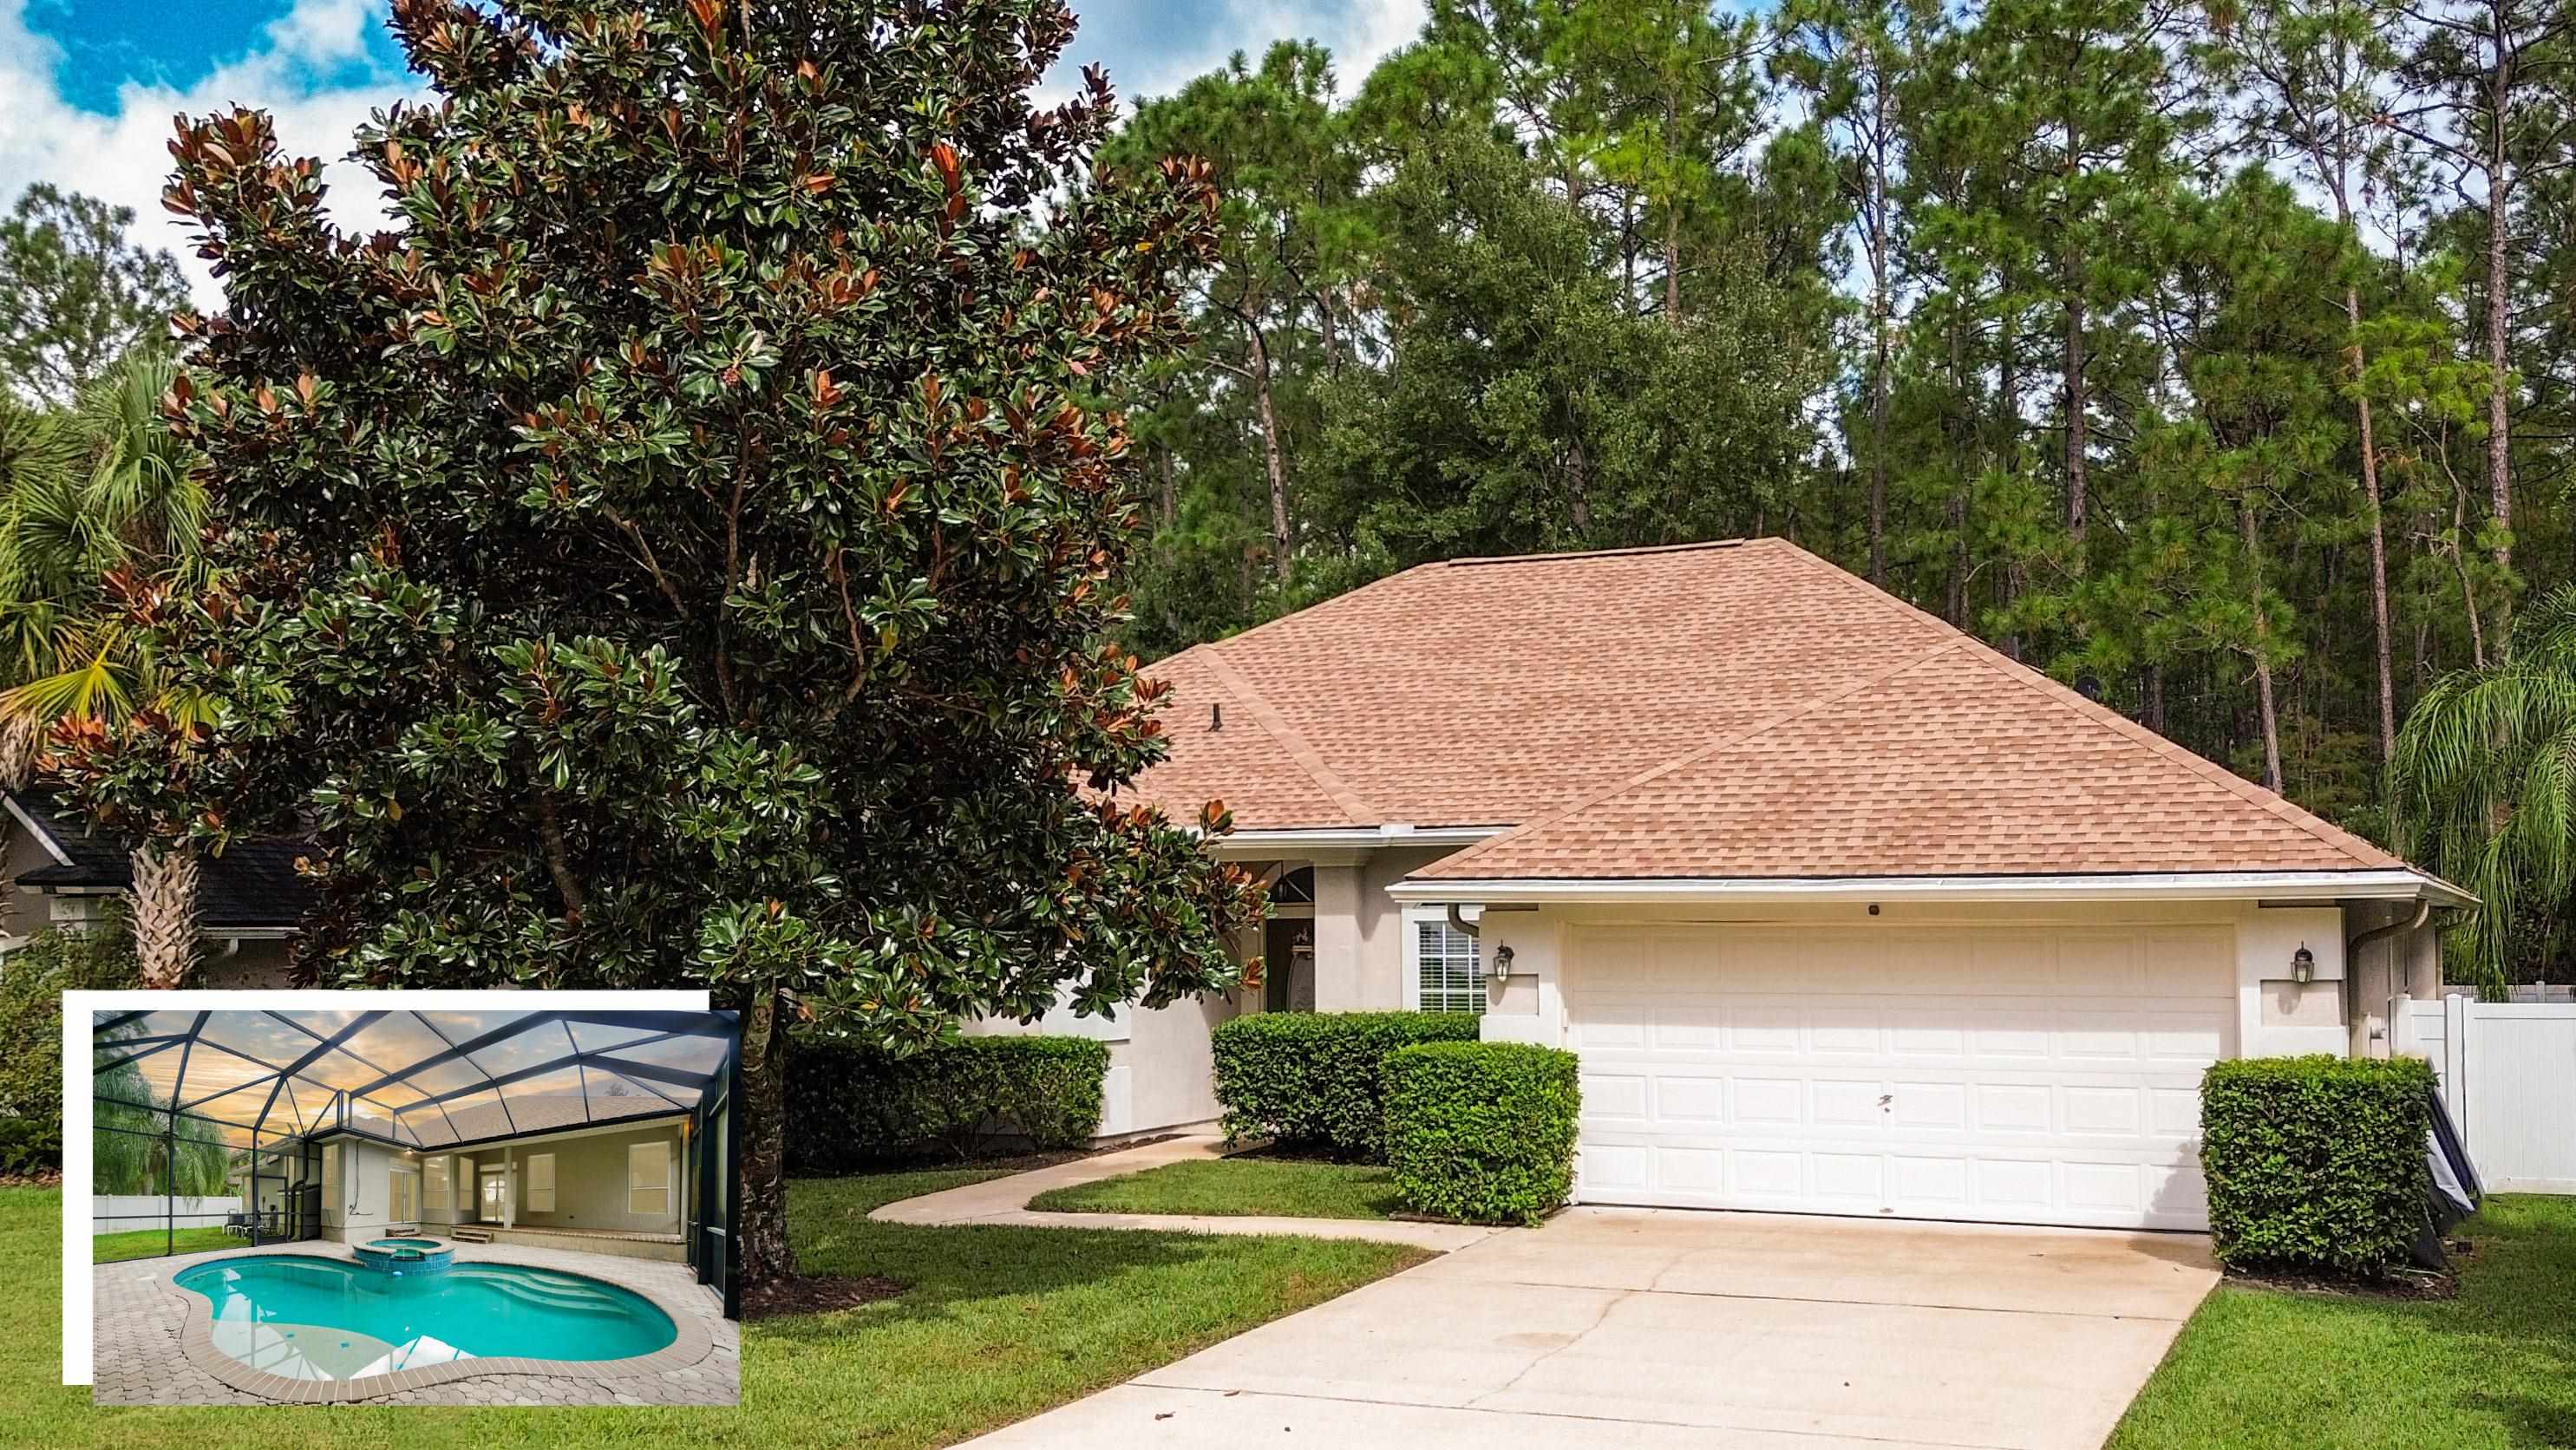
[1766, 1101]
[1929, 1106]
[1682, 1101]
[2041, 1076]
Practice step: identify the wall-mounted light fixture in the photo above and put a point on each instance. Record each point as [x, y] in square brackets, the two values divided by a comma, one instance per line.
[2303, 964]
[1499, 966]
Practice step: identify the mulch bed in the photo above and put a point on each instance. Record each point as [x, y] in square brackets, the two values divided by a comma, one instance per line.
[2405, 1284]
[51, 1178]
[817, 1294]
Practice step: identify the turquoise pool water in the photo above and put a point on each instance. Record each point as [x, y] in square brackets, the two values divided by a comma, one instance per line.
[314, 1318]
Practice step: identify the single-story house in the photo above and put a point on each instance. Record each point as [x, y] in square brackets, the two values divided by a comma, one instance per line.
[65, 874]
[1843, 910]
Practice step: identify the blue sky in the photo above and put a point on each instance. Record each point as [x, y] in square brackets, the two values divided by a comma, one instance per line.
[88, 87]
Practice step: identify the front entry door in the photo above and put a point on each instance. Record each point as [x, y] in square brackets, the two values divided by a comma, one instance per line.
[495, 1192]
[1288, 965]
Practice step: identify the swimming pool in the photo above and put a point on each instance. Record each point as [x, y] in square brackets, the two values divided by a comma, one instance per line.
[308, 1318]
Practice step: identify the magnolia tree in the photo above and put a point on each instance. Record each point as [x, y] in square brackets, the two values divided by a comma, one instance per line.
[679, 552]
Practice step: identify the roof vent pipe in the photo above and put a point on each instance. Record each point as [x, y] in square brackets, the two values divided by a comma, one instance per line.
[1216, 717]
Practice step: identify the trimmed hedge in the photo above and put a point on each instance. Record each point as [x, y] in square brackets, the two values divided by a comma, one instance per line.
[850, 1108]
[1316, 1079]
[1482, 1131]
[2316, 1164]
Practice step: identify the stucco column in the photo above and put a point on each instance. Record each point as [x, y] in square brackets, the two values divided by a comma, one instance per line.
[509, 1185]
[1338, 987]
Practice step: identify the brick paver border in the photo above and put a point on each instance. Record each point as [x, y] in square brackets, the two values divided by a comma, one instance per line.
[611, 1381]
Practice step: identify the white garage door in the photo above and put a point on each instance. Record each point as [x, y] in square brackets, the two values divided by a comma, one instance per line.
[2035, 1074]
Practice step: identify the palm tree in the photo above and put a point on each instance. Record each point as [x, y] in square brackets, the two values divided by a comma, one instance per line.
[91, 501]
[2485, 779]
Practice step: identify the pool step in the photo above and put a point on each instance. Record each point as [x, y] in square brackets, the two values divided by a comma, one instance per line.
[464, 1234]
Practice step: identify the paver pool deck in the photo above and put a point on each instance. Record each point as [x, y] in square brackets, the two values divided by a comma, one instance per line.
[151, 1343]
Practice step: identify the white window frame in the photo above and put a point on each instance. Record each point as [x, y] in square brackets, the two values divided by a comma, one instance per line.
[636, 1187]
[433, 1182]
[541, 1183]
[1415, 919]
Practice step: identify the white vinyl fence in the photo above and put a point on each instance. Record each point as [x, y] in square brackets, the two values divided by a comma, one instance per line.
[116, 1213]
[2508, 1072]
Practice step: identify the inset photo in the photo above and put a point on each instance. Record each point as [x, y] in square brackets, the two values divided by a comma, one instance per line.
[503, 1204]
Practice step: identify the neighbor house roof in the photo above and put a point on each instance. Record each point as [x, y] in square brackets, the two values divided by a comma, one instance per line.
[1724, 710]
[254, 883]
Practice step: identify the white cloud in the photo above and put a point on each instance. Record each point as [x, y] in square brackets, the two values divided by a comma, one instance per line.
[299, 72]
[312, 69]
[1359, 33]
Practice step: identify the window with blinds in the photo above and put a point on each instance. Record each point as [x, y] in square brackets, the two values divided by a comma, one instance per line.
[1444, 969]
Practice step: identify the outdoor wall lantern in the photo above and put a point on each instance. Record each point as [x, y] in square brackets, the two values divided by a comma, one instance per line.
[1501, 965]
[2303, 964]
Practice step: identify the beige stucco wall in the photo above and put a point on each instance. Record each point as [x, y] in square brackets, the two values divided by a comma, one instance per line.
[590, 1182]
[363, 1201]
[23, 911]
[1359, 930]
[2406, 964]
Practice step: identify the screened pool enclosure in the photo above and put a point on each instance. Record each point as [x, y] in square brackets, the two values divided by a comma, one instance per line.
[601, 1131]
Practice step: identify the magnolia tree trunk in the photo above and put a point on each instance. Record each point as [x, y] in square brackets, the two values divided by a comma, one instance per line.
[165, 912]
[766, 1256]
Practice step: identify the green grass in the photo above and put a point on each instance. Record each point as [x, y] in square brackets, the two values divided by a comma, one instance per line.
[999, 1324]
[151, 1243]
[1236, 1188]
[2494, 1369]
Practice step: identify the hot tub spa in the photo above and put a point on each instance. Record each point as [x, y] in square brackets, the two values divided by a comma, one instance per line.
[309, 1318]
[404, 1256]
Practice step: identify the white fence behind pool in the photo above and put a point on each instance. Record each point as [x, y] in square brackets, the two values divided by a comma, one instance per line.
[2508, 1075]
[116, 1213]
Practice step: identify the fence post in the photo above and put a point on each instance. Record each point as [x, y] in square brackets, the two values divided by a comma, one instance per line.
[2455, 1062]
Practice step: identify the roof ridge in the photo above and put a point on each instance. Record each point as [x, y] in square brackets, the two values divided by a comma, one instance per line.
[1724, 742]
[1303, 755]
[2058, 694]
[1574, 554]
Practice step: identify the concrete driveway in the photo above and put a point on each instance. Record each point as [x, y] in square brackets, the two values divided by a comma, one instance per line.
[1644, 1329]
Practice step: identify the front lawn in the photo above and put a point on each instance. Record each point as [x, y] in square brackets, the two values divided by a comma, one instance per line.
[1237, 1188]
[2494, 1368]
[153, 1243]
[999, 1324]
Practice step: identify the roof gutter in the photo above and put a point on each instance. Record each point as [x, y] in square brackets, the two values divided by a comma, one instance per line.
[1265, 844]
[2423, 914]
[2374, 885]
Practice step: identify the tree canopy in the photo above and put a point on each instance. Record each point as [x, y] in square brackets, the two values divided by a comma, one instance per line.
[683, 549]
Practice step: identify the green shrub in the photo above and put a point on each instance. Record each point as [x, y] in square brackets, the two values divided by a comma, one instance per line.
[1482, 1131]
[29, 1147]
[850, 1107]
[32, 981]
[2316, 1164]
[1317, 1079]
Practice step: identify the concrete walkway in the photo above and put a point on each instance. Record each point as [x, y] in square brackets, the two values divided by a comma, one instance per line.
[1005, 1201]
[1645, 1329]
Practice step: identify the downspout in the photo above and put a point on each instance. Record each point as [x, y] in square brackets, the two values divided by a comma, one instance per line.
[1460, 924]
[2352, 964]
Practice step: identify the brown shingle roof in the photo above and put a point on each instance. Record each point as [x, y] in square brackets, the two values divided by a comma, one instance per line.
[1484, 692]
[1743, 710]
